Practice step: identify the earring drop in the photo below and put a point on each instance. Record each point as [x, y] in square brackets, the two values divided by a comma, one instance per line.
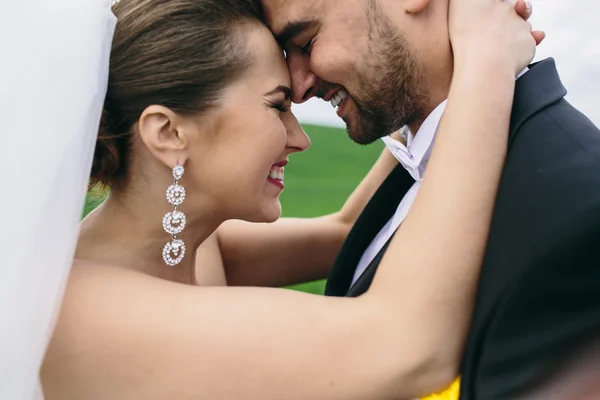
[174, 221]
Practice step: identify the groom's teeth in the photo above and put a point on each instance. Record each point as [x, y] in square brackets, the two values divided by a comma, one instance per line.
[339, 98]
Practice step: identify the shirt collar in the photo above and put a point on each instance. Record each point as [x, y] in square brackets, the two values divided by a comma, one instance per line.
[415, 155]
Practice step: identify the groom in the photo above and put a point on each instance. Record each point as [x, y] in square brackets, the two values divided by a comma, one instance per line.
[388, 64]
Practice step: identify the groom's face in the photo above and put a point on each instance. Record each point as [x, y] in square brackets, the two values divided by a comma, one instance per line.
[339, 47]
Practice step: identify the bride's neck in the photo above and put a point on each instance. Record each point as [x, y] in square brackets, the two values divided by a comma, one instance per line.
[126, 230]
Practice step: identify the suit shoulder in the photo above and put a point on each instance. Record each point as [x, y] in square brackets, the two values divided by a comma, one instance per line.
[561, 124]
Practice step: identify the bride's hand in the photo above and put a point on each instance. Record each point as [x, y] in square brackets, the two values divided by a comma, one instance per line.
[524, 9]
[492, 32]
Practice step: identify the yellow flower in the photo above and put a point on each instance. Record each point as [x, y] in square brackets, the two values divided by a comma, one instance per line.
[451, 393]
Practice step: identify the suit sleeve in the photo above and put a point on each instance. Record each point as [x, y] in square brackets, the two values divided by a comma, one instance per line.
[548, 319]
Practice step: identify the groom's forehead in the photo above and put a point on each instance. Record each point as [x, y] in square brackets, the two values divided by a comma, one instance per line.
[282, 13]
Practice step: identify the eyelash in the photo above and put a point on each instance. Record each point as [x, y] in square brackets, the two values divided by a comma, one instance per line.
[307, 47]
[281, 107]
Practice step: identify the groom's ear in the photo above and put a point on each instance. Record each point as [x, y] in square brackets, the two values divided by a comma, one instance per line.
[415, 6]
[161, 131]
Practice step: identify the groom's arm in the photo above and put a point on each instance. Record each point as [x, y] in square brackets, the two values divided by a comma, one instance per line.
[294, 250]
[547, 323]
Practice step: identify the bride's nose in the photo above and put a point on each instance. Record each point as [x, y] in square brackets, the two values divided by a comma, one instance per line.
[297, 140]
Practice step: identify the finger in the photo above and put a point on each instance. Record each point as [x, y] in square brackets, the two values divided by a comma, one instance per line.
[539, 37]
[524, 8]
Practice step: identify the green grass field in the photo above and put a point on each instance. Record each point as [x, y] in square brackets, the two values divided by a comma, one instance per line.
[318, 181]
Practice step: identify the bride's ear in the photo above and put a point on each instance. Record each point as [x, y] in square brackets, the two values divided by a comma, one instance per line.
[161, 130]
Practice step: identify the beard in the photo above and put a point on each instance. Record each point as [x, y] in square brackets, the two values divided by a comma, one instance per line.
[392, 93]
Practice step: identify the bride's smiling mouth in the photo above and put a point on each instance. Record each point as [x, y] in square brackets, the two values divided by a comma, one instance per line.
[276, 174]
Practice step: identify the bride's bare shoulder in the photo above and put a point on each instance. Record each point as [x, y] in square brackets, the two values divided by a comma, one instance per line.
[90, 272]
[96, 289]
[107, 314]
[97, 280]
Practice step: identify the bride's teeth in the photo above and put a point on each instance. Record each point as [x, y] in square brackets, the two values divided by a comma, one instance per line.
[276, 173]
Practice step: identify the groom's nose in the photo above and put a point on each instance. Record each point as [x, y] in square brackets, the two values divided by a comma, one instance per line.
[304, 81]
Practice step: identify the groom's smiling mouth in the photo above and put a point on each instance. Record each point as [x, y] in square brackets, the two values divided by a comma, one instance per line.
[337, 97]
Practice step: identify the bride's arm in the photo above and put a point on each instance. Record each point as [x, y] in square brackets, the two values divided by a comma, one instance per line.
[293, 250]
[124, 335]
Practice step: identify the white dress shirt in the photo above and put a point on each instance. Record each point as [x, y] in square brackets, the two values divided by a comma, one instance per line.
[414, 157]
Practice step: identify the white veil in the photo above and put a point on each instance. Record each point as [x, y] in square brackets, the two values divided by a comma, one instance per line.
[53, 76]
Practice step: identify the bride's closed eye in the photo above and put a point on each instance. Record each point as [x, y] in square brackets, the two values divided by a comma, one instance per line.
[276, 102]
[280, 106]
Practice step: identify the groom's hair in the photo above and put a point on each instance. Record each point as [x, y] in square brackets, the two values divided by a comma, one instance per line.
[257, 6]
[177, 53]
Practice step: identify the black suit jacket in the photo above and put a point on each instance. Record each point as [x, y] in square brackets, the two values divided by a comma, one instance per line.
[539, 290]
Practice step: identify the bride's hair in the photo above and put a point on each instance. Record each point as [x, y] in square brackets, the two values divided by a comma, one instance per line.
[177, 53]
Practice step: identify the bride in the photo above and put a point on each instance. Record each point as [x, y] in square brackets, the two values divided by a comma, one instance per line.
[198, 108]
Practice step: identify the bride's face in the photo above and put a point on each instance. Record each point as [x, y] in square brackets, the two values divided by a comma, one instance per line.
[240, 163]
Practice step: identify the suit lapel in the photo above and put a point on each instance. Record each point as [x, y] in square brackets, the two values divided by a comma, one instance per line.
[378, 211]
[363, 283]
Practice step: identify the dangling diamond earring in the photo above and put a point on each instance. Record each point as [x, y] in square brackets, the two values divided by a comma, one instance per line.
[174, 221]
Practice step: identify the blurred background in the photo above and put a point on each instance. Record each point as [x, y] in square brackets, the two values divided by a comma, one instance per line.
[319, 181]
